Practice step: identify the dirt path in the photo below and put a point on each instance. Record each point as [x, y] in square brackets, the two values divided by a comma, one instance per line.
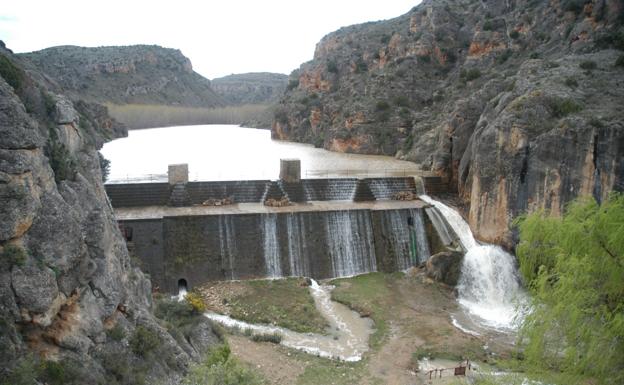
[274, 363]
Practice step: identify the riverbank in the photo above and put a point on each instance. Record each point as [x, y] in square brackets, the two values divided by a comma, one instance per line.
[412, 320]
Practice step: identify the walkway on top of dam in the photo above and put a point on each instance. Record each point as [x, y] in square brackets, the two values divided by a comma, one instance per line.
[157, 212]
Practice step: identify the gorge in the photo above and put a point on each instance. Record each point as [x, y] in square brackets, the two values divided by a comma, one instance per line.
[411, 152]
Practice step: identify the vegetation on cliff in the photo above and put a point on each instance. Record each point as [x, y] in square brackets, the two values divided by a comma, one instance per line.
[574, 267]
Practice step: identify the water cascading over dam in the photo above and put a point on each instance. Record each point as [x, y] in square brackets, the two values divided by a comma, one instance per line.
[489, 285]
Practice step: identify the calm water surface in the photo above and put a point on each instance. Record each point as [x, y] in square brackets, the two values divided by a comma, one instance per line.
[228, 152]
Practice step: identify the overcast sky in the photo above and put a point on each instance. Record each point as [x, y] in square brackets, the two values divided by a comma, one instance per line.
[219, 36]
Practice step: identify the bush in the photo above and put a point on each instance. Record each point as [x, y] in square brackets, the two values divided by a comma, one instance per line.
[504, 56]
[274, 338]
[514, 34]
[13, 255]
[588, 65]
[574, 266]
[575, 6]
[620, 61]
[116, 333]
[219, 368]
[292, 84]
[561, 107]
[571, 82]
[196, 302]
[61, 161]
[332, 67]
[487, 26]
[144, 341]
[382, 105]
[104, 166]
[361, 66]
[470, 74]
[401, 101]
[10, 72]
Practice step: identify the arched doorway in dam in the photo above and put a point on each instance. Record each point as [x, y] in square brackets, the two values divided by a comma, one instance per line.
[182, 286]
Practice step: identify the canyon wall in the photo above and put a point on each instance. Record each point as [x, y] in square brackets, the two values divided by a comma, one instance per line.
[515, 104]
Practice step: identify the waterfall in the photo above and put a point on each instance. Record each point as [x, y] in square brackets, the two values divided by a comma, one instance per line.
[350, 237]
[297, 256]
[380, 189]
[422, 243]
[227, 239]
[489, 286]
[271, 246]
[440, 226]
[407, 236]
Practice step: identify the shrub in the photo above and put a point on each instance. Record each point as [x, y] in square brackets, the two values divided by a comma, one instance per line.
[487, 26]
[504, 56]
[13, 255]
[382, 105]
[470, 74]
[61, 161]
[10, 72]
[274, 338]
[385, 39]
[571, 82]
[588, 65]
[319, 141]
[620, 61]
[401, 101]
[514, 34]
[613, 39]
[104, 166]
[561, 107]
[144, 341]
[361, 66]
[196, 302]
[292, 84]
[219, 368]
[575, 6]
[332, 67]
[534, 55]
[116, 333]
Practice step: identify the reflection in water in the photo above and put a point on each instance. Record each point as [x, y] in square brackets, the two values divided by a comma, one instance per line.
[226, 152]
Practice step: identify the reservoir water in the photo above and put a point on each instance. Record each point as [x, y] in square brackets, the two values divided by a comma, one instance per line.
[229, 152]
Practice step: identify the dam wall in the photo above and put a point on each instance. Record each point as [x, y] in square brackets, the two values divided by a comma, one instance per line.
[317, 244]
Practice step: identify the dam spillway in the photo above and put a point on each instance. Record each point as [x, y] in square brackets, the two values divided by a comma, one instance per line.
[328, 238]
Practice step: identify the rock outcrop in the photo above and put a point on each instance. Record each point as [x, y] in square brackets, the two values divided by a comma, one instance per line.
[69, 293]
[250, 88]
[516, 104]
[139, 74]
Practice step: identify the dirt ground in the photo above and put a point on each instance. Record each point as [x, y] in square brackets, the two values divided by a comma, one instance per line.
[415, 312]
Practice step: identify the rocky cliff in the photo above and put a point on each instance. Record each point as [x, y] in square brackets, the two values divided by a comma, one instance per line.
[250, 88]
[73, 307]
[139, 74]
[517, 103]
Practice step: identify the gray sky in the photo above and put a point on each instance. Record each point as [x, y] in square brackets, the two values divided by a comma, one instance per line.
[220, 37]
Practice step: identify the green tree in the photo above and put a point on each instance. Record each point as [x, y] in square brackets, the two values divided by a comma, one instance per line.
[574, 267]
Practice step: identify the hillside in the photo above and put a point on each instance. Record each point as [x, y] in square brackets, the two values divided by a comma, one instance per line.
[139, 74]
[250, 88]
[74, 307]
[516, 104]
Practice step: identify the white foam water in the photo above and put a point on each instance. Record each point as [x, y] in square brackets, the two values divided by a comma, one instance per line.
[489, 287]
[348, 335]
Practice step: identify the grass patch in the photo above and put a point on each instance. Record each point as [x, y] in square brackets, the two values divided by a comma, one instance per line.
[370, 295]
[324, 371]
[283, 302]
[562, 107]
[220, 368]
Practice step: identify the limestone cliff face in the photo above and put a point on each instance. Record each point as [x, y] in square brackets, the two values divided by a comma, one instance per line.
[66, 278]
[515, 103]
[250, 88]
[131, 74]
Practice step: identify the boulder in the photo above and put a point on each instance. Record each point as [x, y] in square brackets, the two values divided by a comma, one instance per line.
[445, 267]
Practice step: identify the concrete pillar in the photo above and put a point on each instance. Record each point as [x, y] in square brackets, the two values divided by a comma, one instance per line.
[178, 173]
[290, 170]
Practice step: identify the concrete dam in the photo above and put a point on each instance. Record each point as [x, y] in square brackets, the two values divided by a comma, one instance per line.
[330, 227]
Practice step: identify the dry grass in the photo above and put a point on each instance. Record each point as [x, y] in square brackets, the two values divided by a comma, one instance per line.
[136, 116]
